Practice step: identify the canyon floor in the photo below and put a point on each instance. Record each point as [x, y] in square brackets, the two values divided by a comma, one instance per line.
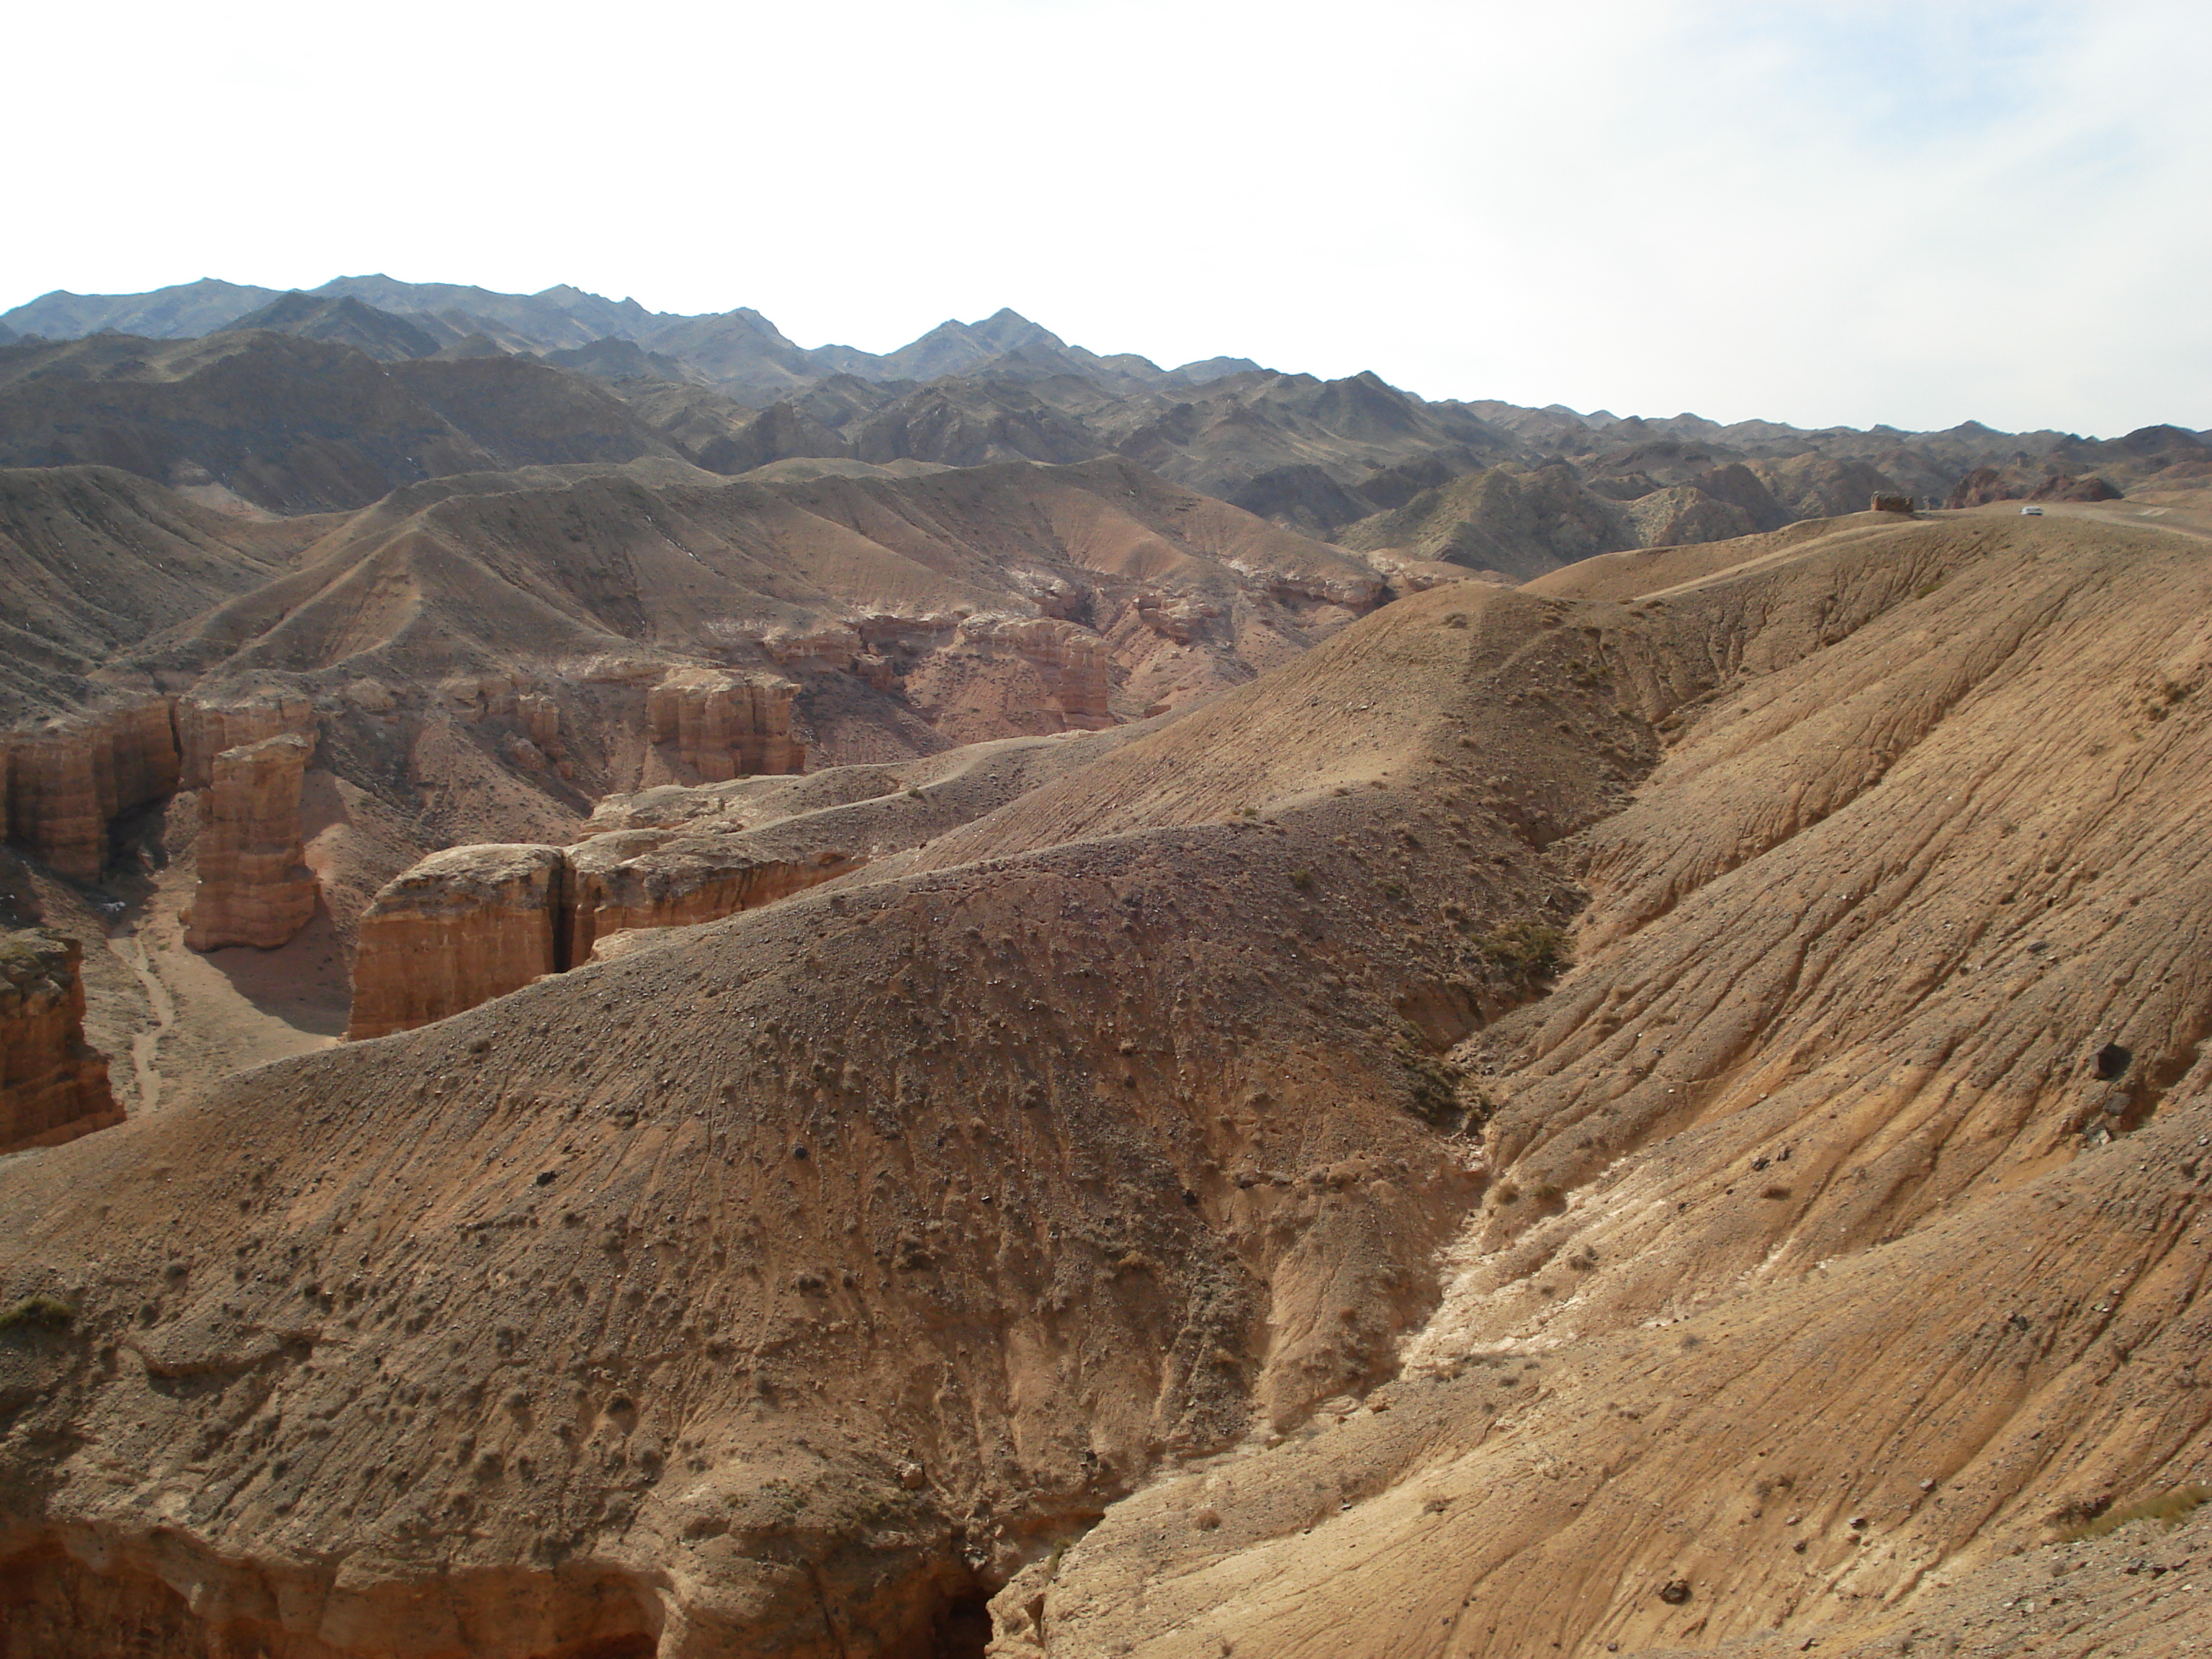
[1659, 1110]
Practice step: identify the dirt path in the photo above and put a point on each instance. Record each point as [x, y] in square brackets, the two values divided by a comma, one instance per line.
[129, 949]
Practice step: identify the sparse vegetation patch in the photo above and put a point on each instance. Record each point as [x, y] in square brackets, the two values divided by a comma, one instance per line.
[38, 1313]
[2172, 1507]
[1531, 950]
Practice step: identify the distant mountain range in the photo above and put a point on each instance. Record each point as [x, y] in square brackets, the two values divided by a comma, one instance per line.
[305, 401]
[738, 352]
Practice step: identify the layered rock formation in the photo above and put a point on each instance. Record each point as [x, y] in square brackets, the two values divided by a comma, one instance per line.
[254, 888]
[53, 1086]
[1985, 484]
[644, 879]
[462, 926]
[723, 726]
[67, 777]
[204, 730]
[473, 923]
[1031, 675]
[1076, 664]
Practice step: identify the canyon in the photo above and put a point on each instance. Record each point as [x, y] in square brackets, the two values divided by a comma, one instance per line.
[1087, 1010]
[1494, 961]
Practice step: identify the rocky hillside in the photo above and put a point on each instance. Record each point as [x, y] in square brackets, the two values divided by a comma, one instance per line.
[668, 994]
[294, 424]
[1418, 1154]
[236, 731]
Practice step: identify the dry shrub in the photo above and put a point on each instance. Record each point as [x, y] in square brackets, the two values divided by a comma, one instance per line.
[2172, 1507]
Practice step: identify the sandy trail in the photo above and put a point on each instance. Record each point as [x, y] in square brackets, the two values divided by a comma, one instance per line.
[129, 950]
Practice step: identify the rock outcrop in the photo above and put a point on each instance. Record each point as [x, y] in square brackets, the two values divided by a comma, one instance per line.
[461, 927]
[205, 730]
[723, 726]
[53, 1086]
[1985, 484]
[2062, 486]
[1077, 665]
[1507, 518]
[642, 879]
[254, 888]
[66, 779]
[472, 923]
[1982, 485]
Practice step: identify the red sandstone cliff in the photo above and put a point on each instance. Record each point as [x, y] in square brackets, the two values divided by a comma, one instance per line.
[726, 728]
[462, 926]
[53, 1086]
[1078, 667]
[203, 731]
[66, 779]
[63, 781]
[643, 879]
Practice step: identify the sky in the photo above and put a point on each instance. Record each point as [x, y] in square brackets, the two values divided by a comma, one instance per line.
[1809, 211]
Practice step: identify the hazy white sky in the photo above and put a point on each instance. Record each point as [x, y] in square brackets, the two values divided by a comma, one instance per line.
[1811, 211]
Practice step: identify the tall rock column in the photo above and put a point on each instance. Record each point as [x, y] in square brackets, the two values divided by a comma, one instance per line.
[461, 927]
[53, 1086]
[254, 888]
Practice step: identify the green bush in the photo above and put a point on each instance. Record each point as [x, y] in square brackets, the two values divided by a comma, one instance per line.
[1529, 950]
[38, 1313]
[1435, 1087]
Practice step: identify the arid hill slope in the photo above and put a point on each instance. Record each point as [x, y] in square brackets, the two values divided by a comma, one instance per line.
[792, 1284]
[883, 1235]
[298, 425]
[1846, 1219]
[485, 653]
[94, 561]
[379, 384]
[910, 613]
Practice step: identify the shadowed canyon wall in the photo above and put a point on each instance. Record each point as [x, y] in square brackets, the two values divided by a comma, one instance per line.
[66, 778]
[53, 1086]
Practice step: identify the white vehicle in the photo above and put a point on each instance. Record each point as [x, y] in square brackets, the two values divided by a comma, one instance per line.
[2031, 513]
